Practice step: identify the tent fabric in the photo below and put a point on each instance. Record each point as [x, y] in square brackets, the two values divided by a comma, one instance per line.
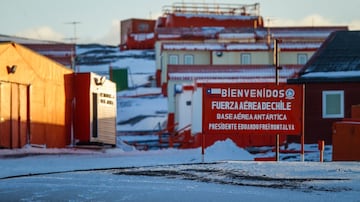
[40, 67]
[49, 93]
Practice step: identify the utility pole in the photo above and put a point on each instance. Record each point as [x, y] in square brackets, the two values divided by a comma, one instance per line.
[268, 35]
[73, 66]
[277, 69]
[276, 60]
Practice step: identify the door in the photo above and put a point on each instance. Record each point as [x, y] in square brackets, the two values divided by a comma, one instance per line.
[14, 115]
[95, 115]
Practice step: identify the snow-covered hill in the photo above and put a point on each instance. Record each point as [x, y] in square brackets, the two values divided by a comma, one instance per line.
[135, 111]
[99, 58]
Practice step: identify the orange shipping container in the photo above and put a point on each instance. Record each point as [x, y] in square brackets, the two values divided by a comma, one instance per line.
[346, 141]
[355, 111]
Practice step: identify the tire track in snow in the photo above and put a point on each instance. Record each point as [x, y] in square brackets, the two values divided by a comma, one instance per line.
[210, 173]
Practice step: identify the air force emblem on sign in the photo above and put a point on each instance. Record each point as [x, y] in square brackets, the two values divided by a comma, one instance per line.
[290, 94]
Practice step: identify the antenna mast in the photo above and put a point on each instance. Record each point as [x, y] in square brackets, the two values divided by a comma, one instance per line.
[74, 38]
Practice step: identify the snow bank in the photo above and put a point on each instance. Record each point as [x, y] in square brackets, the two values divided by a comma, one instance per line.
[226, 150]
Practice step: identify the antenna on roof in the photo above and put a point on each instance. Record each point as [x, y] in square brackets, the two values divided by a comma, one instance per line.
[269, 20]
[74, 38]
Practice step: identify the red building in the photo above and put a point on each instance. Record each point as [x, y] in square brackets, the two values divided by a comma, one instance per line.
[137, 34]
[332, 83]
[142, 34]
[211, 15]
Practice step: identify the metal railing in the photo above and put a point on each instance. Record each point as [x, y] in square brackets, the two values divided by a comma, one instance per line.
[213, 8]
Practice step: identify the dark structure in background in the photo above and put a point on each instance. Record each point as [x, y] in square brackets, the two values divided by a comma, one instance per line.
[332, 83]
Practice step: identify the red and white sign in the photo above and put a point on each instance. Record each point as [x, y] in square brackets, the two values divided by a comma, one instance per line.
[252, 108]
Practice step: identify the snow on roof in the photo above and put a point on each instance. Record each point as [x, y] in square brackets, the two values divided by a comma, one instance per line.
[338, 58]
[299, 46]
[245, 35]
[239, 80]
[253, 74]
[238, 46]
[300, 34]
[211, 30]
[247, 46]
[168, 36]
[143, 36]
[309, 33]
[193, 46]
[23, 40]
[339, 74]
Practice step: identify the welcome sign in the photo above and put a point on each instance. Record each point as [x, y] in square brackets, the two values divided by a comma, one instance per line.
[252, 108]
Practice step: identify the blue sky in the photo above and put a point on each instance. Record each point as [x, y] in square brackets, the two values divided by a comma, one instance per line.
[100, 20]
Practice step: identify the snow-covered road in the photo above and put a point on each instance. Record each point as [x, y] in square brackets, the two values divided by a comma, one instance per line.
[223, 181]
[173, 175]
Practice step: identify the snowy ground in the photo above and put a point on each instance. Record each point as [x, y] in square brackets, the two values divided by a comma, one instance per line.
[136, 112]
[227, 174]
[224, 173]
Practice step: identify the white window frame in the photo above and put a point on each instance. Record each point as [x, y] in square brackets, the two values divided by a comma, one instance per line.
[173, 59]
[188, 59]
[245, 58]
[324, 104]
[302, 58]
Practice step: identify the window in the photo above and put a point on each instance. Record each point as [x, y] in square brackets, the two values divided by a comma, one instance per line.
[245, 59]
[143, 27]
[333, 104]
[173, 59]
[188, 59]
[178, 88]
[302, 58]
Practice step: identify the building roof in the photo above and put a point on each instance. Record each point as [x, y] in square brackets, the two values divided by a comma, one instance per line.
[23, 40]
[338, 59]
[214, 46]
[57, 51]
[250, 73]
[314, 34]
[31, 66]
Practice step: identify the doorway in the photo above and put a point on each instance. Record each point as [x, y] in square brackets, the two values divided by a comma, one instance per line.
[14, 115]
